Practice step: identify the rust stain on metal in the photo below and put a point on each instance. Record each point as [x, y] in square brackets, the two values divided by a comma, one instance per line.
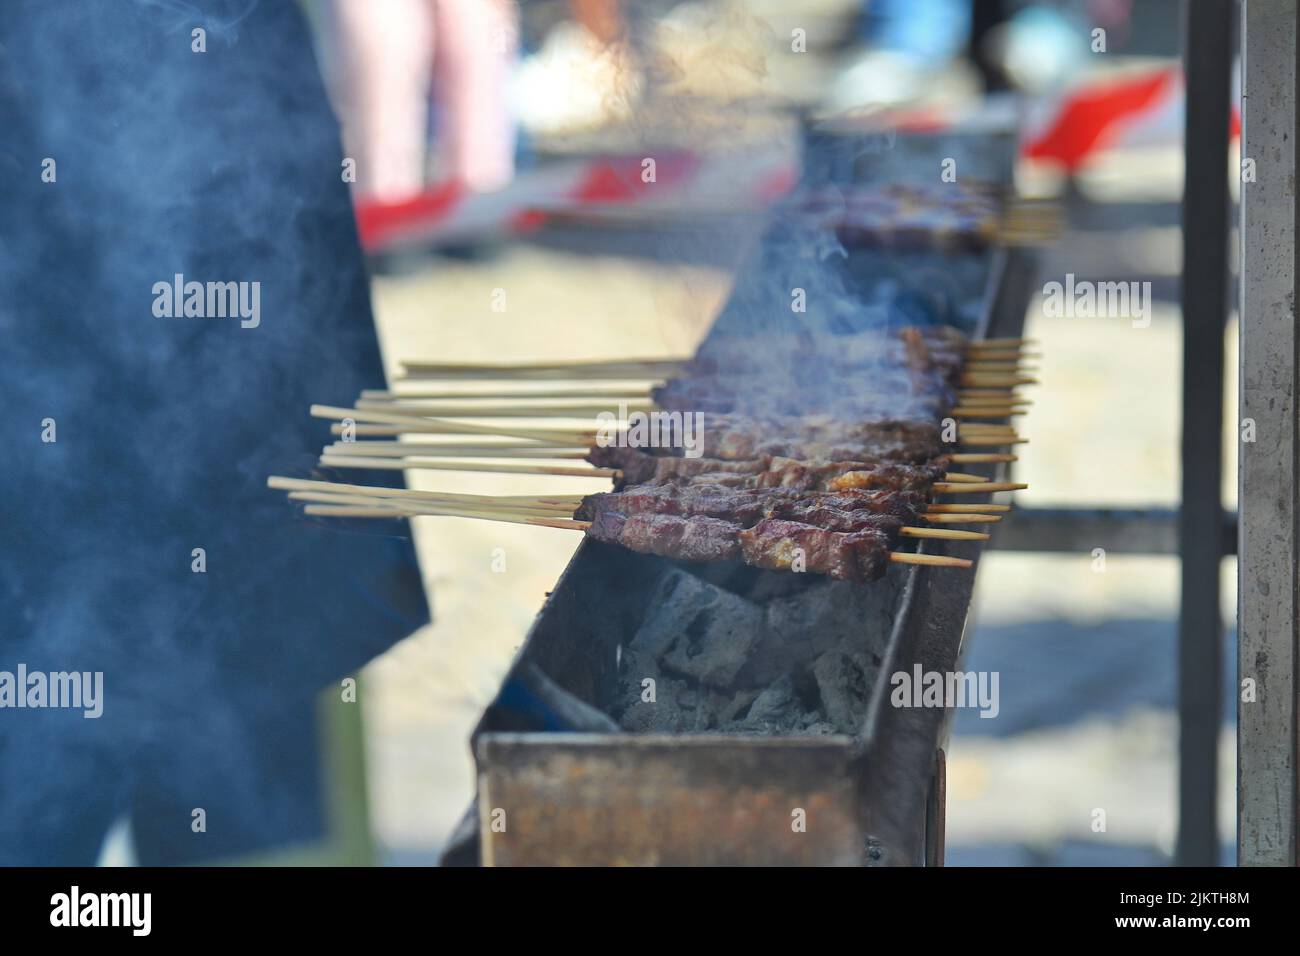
[714, 801]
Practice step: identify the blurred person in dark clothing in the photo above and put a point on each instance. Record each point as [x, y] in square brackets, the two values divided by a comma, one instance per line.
[149, 144]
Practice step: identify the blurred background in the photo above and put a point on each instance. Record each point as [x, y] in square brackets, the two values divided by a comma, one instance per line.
[491, 142]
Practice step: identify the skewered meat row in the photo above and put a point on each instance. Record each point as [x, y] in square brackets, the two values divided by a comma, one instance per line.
[754, 395]
[740, 437]
[785, 545]
[639, 468]
[771, 543]
[918, 217]
[889, 510]
[830, 476]
[744, 507]
[911, 373]
[921, 346]
[785, 490]
[911, 350]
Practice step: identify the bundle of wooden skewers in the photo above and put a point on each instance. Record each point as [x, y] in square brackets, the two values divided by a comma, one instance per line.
[827, 470]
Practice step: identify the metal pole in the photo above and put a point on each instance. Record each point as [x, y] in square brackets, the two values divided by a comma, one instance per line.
[1207, 53]
[1269, 474]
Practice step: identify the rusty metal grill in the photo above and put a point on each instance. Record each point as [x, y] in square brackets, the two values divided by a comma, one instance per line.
[558, 783]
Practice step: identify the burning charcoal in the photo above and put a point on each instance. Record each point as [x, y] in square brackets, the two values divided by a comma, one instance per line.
[802, 626]
[679, 706]
[717, 642]
[677, 600]
[842, 682]
[700, 631]
[775, 708]
[626, 702]
[796, 632]
[731, 708]
[814, 726]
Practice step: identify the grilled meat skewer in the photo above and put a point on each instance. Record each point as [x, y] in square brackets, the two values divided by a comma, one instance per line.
[830, 476]
[741, 437]
[772, 543]
[749, 507]
[639, 468]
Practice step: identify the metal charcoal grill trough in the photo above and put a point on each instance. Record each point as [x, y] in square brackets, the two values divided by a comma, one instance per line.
[771, 738]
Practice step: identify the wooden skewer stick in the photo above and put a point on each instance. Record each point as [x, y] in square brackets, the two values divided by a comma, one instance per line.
[619, 363]
[590, 411]
[992, 441]
[521, 509]
[945, 533]
[962, 488]
[280, 483]
[1010, 381]
[987, 343]
[428, 507]
[964, 412]
[540, 438]
[423, 464]
[997, 368]
[535, 450]
[934, 560]
[959, 476]
[361, 511]
[505, 411]
[962, 509]
[415, 373]
[437, 426]
[487, 507]
[399, 449]
[591, 392]
[973, 458]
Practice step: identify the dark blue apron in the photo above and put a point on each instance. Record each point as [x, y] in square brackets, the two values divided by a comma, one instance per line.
[220, 166]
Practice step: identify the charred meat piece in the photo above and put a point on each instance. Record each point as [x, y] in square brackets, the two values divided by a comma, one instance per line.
[832, 476]
[832, 519]
[671, 536]
[788, 545]
[772, 543]
[710, 501]
[737, 437]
